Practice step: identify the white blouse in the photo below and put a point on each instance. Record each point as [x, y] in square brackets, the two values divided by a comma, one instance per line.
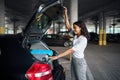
[79, 45]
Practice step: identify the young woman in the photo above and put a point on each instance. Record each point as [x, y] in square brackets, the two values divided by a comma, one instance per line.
[81, 36]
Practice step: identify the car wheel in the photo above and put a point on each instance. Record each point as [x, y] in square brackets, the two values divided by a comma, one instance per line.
[66, 44]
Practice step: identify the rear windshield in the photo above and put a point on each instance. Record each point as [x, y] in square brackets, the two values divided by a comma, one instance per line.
[38, 27]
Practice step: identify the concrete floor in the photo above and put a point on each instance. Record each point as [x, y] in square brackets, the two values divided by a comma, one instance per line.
[103, 61]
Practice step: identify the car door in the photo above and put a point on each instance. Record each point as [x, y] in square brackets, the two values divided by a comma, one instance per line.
[38, 26]
[16, 59]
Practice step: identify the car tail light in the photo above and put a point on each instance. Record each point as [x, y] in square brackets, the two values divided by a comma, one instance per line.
[39, 72]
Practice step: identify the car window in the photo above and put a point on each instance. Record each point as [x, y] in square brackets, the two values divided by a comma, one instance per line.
[40, 25]
[54, 36]
[42, 22]
[49, 36]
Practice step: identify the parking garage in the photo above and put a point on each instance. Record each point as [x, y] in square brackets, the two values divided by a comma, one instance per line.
[102, 18]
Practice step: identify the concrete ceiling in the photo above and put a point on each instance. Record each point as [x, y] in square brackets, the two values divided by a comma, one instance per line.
[92, 8]
[22, 10]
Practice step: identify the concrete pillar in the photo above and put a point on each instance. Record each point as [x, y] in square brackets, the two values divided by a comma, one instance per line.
[15, 25]
[53, 27]
[73, 14]
[102, 29]
[2, 17]
[114, 24]
[96, 25]
[73, 11]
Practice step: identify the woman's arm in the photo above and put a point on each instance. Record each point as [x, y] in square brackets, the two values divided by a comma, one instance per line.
[67, 23]
[69, 51]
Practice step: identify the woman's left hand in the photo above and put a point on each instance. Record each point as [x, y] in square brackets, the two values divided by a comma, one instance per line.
[53, 58]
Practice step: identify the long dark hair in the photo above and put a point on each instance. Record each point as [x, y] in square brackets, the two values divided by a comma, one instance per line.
[83, 27]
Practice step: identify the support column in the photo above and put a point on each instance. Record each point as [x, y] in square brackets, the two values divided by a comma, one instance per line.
[15, 25]
[73, 11]
[104, 30]
[2, 17]
[96, 25]
[73, 14]
[101, 29]
[54, 27]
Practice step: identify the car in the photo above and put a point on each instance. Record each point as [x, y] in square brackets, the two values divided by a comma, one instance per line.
[56, 40]
[24, 56]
